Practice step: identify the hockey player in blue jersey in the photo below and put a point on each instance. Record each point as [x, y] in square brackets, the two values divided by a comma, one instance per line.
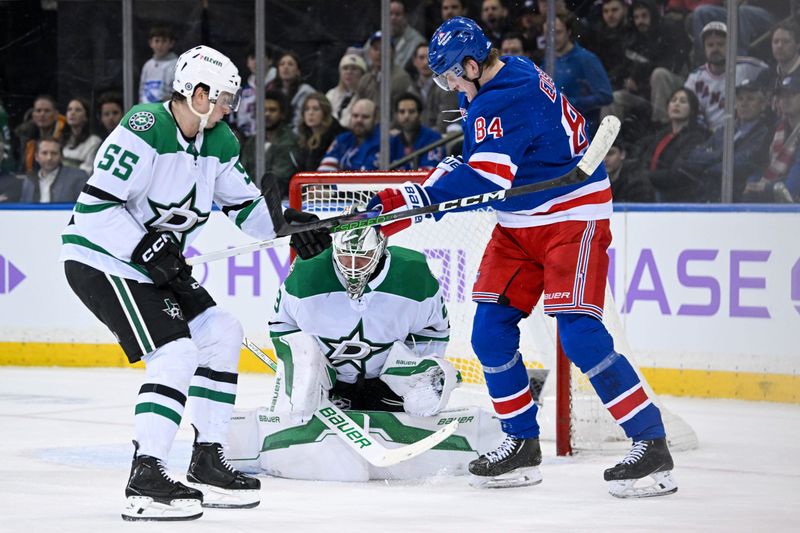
[519, 129]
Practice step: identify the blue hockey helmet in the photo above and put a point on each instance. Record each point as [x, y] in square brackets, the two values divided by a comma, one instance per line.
[456, 39]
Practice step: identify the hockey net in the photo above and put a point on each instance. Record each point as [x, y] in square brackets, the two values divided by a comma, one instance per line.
[570, 411]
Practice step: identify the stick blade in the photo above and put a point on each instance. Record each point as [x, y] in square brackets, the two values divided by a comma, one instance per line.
[600, 145]
[391, 456]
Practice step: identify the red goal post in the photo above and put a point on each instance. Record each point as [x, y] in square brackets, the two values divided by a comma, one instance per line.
[572, 413]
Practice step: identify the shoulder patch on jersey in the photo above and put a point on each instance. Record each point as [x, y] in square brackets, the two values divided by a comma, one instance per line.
[141, 121]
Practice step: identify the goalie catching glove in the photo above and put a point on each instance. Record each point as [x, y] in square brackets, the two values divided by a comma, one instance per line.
[307, 244]
[161, 256]
[408, 196]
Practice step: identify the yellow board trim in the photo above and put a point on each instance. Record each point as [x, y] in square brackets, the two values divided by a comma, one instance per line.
[783, 388]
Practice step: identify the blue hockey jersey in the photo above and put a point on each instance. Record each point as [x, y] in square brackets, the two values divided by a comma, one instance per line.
[345, 153]
[520, 129]
[426, 161]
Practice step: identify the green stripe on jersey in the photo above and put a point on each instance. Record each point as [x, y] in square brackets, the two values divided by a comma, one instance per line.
[244, 213]
[158, 409]
[133, 312]
[77, 240]
[94, 208]
[422, 338]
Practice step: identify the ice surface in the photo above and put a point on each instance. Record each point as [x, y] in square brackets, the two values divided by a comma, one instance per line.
[65, 454]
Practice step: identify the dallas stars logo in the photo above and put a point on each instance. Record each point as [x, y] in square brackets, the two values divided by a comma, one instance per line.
[353, 349]
[141, 121]
[181, 218]
[172, 309]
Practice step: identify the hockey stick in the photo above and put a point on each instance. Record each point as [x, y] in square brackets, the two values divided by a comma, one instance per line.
[360, 441]
[594, 155]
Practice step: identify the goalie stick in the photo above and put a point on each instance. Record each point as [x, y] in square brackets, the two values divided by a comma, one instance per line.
[360, 441]
[594, 155]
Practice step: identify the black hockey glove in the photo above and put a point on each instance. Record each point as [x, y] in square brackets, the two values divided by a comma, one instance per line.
[307, 244]
[161, 256]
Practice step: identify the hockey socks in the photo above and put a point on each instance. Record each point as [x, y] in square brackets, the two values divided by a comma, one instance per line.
[622, 393]
[588, 344]
[495, 339]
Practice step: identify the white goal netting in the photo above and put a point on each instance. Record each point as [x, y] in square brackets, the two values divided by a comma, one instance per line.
[453, 247]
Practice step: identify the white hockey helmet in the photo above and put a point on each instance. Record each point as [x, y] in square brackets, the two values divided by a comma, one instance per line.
[203, 64]
[356, 255]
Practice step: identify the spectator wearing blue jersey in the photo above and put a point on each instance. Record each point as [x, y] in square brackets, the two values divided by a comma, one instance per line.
[358, 148]
[413, 135]
[579, 73]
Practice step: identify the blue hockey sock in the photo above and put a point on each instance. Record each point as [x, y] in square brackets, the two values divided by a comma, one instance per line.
[588, 344]
[495, 340]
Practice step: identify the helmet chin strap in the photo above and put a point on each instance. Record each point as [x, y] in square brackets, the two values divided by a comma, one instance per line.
[476, 81]
[202, 116]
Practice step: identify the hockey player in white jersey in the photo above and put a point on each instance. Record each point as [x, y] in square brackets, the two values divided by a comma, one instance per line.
[155, 178]
[364, 324]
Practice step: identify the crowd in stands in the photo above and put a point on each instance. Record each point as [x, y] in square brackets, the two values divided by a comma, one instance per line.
[658, 65]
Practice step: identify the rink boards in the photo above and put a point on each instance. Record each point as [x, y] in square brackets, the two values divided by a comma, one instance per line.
[709, 298]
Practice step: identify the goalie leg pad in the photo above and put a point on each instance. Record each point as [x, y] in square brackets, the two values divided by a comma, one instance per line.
[303, 378]
[424, 383]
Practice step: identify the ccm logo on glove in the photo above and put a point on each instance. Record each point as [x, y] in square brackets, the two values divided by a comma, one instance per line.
[149, 253]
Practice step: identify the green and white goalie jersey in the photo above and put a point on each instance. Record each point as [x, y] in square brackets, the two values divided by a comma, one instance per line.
[402, 303]
[147, 176]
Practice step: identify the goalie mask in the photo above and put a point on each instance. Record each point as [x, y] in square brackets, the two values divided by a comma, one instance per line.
[356, 255]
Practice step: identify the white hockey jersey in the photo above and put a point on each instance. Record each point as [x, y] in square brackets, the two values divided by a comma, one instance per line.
[155, 84]
[710, 88]
[403, 303]
[147, 176]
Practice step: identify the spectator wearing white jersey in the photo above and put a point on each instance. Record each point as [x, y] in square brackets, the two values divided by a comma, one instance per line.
[155, 82]
[708, 80]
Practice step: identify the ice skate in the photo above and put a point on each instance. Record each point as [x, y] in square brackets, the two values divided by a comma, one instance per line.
[153, 495]
[222, 485]
[513, 464]
[646, 458]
